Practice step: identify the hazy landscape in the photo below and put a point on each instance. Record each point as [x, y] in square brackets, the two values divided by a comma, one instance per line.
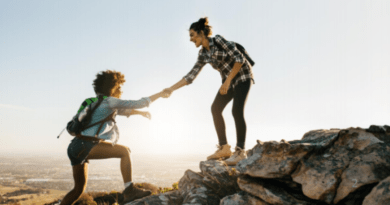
[55, 173]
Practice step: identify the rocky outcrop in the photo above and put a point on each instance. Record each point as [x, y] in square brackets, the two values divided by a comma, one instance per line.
[215, 181]
[343, 167]
[332, 166]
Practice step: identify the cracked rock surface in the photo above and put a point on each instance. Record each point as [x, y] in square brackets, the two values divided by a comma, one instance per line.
[337, 166]
[380, 194]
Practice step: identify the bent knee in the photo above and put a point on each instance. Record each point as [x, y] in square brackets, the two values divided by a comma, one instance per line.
[124, 150]
[215, 109]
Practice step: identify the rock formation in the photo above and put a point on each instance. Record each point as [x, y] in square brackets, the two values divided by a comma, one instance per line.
[342, 167]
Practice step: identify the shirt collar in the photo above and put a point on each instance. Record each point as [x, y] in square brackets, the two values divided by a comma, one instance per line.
[211, 43]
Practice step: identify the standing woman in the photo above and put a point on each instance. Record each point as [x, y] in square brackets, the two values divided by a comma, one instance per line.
[90, 144]
[237, 77]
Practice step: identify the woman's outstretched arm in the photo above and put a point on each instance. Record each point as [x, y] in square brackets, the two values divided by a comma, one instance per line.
[187, 78]
[132, 104]
[181, 83]
[156, 96]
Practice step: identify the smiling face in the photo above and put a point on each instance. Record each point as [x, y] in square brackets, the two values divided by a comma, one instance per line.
[197, 38]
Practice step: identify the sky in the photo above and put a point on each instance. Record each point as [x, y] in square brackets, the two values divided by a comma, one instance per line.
[319, 65]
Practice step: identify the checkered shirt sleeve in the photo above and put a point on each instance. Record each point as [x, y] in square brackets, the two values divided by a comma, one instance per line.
[195, 70]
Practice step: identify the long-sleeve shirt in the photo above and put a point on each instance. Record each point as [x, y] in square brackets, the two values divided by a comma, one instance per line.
[109, 130]
[222, 60]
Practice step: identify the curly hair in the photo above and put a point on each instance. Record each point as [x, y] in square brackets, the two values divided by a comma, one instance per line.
[202, 25]
[109, 83]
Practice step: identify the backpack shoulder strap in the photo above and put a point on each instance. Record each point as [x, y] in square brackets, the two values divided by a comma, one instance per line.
[87, 102]
[89, 114]
[241, 49]
[101, 122]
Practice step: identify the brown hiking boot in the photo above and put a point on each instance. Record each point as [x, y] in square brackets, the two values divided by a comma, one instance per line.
[132, 193]
[237, 156]
[222, 152]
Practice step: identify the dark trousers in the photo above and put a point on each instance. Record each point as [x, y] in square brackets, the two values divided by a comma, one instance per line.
[239, 95]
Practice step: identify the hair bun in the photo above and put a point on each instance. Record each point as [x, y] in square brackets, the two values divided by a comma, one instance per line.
[204, 21]
[202, 25]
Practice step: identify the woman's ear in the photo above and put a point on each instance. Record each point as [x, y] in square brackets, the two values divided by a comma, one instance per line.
[202, 34]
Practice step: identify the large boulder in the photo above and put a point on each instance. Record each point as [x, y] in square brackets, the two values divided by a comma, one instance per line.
[273, 159]
[370, 162]
[333, 166]
[215, 181]
[242, 198]
[274, 191]
[319, 172]
[380, 194]
[194, 191]
[356, 158]
[219, 177]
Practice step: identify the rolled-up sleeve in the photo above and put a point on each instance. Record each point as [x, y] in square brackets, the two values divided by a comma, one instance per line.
[230, 48]
[194, 71]
[120, 104]
[124, 112]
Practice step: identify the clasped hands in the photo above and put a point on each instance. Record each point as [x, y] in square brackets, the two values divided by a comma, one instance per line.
[166, 93]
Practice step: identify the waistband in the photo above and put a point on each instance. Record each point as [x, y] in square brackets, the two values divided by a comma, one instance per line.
[88, 138]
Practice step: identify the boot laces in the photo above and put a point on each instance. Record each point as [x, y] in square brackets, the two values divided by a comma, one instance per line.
[237, 152]
[219, 148]
[135, 188]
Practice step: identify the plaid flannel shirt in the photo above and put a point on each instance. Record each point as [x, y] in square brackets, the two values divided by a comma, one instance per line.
[222, 60]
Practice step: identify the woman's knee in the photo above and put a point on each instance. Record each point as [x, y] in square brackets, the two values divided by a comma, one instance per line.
[124, 150]
[216, 109]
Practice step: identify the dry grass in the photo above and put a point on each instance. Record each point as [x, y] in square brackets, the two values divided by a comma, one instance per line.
[114, 197]
[26, 195]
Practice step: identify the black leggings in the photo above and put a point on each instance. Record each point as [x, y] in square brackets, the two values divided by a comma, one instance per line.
[239, 94]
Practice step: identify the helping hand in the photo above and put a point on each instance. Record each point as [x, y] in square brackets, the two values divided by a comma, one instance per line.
[224, 88]
[167, 92]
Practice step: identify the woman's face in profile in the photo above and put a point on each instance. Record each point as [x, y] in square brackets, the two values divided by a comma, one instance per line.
[197, 38]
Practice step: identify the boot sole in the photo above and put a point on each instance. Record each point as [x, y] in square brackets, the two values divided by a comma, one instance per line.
[220, 158]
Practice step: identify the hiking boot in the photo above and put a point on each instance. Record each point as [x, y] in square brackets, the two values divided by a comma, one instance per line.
[237, 156]
[222, 152]
[132, 193]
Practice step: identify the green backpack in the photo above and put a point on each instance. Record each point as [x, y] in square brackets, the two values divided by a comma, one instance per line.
[75, 126]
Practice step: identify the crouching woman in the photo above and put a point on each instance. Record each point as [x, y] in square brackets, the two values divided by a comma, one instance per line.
[91, 143]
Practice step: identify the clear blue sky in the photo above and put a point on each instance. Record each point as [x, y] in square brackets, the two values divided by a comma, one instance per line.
[319, 65]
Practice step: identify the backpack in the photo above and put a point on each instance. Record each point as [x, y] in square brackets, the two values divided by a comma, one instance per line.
[81, 121]
[241, 49]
